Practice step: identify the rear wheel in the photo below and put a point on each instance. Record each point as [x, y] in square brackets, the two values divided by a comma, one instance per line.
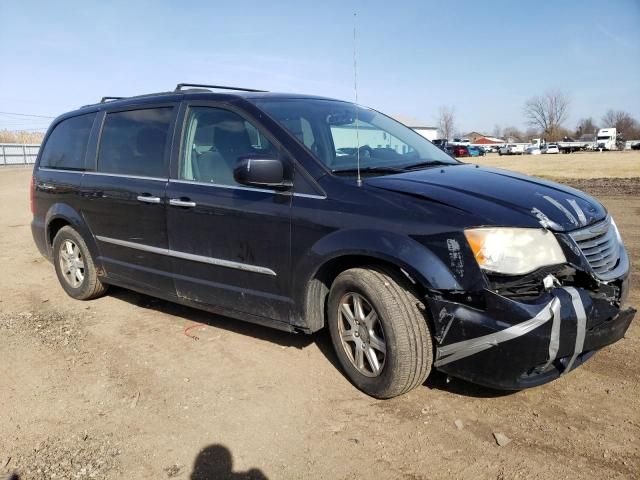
[74, 266]
[379, 332]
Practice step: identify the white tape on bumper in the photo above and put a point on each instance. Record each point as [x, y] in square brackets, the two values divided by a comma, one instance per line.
[554, 339]
[465, 348]
[581, 326]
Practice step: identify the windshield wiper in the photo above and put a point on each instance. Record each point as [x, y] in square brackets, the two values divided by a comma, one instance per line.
[427, 163]
[369, 170]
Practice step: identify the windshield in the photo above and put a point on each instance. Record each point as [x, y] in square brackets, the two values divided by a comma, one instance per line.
[328, 129]
[604, 137]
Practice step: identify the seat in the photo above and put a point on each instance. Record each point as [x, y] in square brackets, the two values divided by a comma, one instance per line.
[230, 141]
[210, 167]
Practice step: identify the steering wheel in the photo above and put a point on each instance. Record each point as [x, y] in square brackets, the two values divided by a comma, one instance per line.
[366, 151]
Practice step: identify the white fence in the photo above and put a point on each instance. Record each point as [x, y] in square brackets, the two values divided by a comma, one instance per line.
[18, 154]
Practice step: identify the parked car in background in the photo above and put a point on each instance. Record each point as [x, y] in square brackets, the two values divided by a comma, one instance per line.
[511, 149]
[458, 151]
[475, 151]
[274, 209]
[532, 150]
[635, 146]
[550, 148]
[441, 143]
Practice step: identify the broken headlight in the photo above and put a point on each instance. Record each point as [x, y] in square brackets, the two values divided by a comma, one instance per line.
[514, 251]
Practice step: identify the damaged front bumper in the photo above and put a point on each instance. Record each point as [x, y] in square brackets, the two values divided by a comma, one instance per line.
[511, 344]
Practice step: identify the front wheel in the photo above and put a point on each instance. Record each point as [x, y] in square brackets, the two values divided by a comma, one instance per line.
[74, 266]
[379, 332]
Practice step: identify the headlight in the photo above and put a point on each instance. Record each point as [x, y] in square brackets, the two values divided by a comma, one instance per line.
[514, 251]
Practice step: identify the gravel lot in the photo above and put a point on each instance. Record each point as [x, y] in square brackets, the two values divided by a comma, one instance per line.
[116, 388]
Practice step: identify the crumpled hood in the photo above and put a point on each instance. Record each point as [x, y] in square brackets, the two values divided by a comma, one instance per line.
[498, 197]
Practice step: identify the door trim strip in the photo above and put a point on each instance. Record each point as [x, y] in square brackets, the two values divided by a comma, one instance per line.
[189, 256]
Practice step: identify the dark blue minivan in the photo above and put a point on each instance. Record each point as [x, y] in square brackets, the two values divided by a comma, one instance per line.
[301, 212]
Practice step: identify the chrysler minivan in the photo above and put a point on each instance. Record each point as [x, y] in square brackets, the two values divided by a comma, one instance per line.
[300, 212]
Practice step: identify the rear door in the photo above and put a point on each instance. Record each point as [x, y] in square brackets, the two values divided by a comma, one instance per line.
[125, 196]
[230, 243]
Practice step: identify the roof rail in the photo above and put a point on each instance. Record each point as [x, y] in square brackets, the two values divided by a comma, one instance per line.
[106, 99]
[218, 87]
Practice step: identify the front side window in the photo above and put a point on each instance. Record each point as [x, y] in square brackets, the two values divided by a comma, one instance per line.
[214, 140]
[134, 142]
[338, 133]
[67, 145]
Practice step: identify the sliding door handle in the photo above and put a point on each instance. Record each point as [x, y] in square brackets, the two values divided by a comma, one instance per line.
[148, 199]
[177, 202]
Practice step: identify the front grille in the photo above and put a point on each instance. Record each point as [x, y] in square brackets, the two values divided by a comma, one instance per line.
[600, 246]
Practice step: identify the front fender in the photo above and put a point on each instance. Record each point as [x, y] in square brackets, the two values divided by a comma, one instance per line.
[422, 264]
[416, 259]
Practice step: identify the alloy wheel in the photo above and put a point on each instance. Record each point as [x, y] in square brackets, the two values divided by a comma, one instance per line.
[71, 263]
[361, 334]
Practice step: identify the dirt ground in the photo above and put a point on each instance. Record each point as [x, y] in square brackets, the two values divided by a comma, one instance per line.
[132, 387]
[575, 165]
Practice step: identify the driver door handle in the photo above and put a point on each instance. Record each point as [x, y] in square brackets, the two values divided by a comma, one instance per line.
[177, 202]
[148, 199]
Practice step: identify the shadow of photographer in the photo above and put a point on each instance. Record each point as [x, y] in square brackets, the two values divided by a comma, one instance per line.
[215, 462]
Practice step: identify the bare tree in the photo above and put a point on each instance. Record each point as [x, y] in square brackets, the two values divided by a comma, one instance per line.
[512, 134]
[497, 131]
[531, 133]
[586, 125]
[548, 112]
[446, 122]
[624, 123]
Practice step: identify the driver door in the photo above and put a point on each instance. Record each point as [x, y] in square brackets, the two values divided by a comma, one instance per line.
[229, 243]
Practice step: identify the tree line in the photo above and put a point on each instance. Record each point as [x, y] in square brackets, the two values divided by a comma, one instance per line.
[546, 115]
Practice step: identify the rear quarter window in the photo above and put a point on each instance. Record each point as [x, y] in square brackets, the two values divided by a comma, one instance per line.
[66, 146]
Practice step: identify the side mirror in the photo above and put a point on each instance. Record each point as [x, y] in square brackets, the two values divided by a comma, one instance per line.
[261, 172]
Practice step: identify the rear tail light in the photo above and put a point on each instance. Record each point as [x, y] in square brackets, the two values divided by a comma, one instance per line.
[32, 192]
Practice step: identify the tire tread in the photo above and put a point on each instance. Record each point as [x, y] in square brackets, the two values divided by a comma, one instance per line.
[412, 333]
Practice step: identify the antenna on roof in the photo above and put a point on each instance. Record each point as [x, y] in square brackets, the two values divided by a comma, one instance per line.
[355, 90]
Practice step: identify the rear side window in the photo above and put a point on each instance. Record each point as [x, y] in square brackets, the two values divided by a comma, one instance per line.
[67, 145]
[134, 142]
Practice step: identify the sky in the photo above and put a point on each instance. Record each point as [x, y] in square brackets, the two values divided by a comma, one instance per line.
[484, 59]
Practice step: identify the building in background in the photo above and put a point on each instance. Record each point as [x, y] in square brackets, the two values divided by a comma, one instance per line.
[473, 136]
[483, 140]
[430, 133]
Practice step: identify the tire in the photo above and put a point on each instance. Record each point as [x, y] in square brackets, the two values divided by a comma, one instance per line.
[85, 284]
[401, 325]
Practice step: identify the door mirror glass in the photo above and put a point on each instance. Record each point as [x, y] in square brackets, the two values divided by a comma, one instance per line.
[260, 171]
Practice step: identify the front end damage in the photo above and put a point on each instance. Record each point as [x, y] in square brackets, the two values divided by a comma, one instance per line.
[516, 333]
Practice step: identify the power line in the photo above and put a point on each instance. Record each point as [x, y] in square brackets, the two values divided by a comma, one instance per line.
[26, 115]
[11, 121]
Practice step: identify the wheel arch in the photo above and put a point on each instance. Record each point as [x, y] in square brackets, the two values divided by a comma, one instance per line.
[60, 215]
[396, 253]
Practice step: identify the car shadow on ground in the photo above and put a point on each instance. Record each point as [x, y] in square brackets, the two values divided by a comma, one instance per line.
[441, 381]
[322, 339]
